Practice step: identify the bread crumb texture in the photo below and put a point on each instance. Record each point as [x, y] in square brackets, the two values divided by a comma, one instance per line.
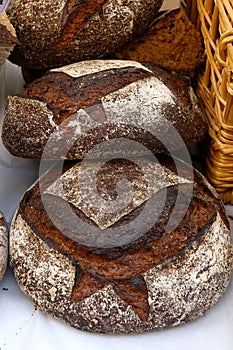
[172, 42]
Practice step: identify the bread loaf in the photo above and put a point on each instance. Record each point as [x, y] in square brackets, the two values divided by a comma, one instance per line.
[7, 38]
[134, 275]
[90, 102]
[172, 42]
[58, 32]
[3, 246]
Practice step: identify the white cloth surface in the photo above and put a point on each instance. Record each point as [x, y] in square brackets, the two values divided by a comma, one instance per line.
[22, 327]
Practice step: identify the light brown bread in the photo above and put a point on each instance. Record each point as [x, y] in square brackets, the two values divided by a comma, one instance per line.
[7, 38]
[157, 278]
[71, 109]
[172, 42]
[58, 32]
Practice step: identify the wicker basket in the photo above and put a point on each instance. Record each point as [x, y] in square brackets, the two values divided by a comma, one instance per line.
[214, 18]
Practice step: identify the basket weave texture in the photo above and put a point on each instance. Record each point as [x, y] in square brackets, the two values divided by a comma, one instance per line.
[214, 18]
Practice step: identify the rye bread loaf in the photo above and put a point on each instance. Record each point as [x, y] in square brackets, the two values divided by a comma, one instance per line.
[171, 42]
[7, 38]
[71, 109]
[58, 32]
[127, 277]
[3, 246]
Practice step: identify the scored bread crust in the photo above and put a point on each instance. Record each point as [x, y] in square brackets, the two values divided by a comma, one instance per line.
[93, 101]
[180, 288]
[58, 32]
[3, 245]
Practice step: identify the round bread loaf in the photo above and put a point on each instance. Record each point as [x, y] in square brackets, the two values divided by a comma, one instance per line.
[3, 245]
[71, 109]
[123, 270]
[58, 32]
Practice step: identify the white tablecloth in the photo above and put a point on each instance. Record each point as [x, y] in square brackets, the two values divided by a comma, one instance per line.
[22, 327]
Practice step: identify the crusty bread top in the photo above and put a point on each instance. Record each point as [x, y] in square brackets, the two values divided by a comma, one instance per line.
[133, 270]
[32, 18]
[57, 32]
[68, 188]
[98, 100]
[36, 210]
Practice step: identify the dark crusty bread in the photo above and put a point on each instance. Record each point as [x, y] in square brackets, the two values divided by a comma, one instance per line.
[3, 245]
[58, 32]
[148, 278]
[93, 101]
[7, 38]
[172, 42]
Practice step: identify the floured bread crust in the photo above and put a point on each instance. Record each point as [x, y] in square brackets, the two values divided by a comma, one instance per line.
[70, 110]
[3, 246]
[7, 38]
[59, 32]
[179, 290]
[101, 292]
[144, 190]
